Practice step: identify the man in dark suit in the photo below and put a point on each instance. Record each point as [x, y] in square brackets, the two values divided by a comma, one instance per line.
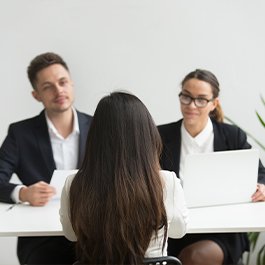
[33, 148]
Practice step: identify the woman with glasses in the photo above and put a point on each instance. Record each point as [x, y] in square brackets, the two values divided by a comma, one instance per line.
[202, 130]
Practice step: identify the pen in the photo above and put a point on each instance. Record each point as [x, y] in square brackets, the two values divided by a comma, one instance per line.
[11, 207]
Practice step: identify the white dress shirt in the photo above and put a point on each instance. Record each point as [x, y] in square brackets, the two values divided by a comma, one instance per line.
[65, 150]
[201, 143]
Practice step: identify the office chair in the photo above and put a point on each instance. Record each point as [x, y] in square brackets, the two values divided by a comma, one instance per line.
[166, 260]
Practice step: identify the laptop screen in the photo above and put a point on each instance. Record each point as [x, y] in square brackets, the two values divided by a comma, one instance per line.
[220, 178]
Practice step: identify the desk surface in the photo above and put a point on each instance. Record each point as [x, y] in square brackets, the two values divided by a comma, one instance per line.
[25, 220]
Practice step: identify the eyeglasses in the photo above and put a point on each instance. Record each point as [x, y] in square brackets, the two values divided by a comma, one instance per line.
[199, 102]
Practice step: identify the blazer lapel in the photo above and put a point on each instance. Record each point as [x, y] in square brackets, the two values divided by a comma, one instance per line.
[175, 146]
[172, 145]
[219, 143]
[84, 124]
[43, 139]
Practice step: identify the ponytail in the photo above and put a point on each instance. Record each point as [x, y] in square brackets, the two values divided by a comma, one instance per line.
[217, 114]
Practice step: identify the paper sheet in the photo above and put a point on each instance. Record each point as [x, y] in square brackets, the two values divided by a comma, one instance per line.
[58, 180]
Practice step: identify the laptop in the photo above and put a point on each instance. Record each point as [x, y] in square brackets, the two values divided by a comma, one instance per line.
[220, 178]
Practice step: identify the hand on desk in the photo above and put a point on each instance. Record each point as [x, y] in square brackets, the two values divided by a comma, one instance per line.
[259, 195]
[37, 194]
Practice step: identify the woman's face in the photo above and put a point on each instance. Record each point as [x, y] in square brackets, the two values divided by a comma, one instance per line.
[195, 117]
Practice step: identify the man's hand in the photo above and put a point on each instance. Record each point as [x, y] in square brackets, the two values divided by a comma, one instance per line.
[37, 194]
[259, 195]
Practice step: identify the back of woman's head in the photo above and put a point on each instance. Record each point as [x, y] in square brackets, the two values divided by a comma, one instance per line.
[210, 78]
[116, 199]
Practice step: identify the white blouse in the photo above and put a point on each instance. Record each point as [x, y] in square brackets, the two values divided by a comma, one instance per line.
[177, 213]
[202, 143]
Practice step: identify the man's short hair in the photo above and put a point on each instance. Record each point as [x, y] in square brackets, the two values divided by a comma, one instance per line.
[42, 61]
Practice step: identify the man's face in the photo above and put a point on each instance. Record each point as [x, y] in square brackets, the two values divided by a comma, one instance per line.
[54, 88]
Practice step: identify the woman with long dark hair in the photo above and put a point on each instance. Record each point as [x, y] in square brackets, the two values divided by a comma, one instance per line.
[202, 130]
[120, 207]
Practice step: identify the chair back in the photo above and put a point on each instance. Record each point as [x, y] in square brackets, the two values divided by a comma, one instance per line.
[166, 260]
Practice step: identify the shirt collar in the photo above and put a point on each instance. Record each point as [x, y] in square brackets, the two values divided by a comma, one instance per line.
[54, 131]
[202, 137]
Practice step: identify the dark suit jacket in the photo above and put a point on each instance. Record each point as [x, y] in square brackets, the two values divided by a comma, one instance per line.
[226, 137]
[27, 151]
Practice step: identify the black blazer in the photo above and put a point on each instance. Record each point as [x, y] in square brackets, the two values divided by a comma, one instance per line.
[27, 151]
[226, 137]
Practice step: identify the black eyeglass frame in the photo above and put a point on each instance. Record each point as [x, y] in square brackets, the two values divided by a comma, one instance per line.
[194, 100]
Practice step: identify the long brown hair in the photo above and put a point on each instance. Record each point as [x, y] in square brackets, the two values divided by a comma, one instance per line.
[210, 78]
[116, 198]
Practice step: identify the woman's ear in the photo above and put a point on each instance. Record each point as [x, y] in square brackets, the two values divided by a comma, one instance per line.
[216, 101]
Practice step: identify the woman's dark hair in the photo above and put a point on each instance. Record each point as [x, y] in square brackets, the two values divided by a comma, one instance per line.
[116, 198]
[210, 78]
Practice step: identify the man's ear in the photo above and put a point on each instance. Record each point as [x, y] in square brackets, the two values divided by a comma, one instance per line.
[36, 95]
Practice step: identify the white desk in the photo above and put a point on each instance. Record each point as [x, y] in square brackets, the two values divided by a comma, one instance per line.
[25, 220]
[249, 217]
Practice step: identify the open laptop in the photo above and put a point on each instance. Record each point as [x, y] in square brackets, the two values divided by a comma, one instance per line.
[220, 178]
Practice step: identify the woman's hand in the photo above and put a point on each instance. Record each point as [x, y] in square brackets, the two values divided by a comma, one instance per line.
[259, 195]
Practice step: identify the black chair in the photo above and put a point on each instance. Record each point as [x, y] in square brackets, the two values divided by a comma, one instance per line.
[166, 260]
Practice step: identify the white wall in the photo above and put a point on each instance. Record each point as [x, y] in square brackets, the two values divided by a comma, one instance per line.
[145, 46]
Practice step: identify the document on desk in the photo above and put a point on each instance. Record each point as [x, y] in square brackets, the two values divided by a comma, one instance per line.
[58, 180]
